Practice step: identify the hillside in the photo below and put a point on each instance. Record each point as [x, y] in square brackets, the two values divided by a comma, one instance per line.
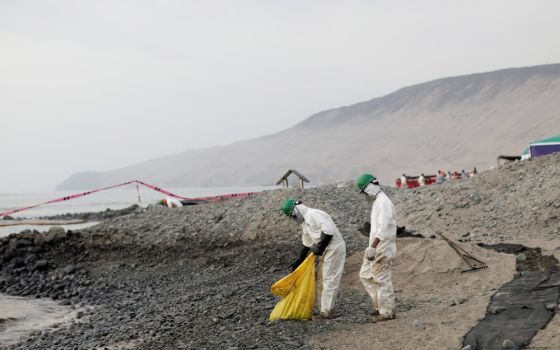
[451, 123]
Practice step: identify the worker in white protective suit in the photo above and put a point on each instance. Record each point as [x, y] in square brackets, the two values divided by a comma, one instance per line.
[404, 182]
[321, 237]
[422, 180]
[375, 273]
[171, 202]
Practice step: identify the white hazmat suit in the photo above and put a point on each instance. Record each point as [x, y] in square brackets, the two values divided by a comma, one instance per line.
[376, 275]
[404, 182]
[317, 222]
[172, 202]
[422, 181]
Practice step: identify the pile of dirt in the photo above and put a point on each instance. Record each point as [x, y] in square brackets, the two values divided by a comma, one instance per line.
[515, 202]
[436, 303]
[257, 218]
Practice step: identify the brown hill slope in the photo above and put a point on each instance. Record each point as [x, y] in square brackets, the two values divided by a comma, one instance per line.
[456, 123]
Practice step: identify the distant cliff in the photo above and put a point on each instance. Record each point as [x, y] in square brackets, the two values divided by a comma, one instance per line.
[451, 123]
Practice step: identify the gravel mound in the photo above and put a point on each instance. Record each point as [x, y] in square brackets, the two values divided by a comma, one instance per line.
[517, 201]
[94, 216]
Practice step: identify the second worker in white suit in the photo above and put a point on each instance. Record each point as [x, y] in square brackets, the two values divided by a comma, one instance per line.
[375, 273]
[322, 237]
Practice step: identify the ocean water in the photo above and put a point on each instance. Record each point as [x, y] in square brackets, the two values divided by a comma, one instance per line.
[20, 316]
[110, 199]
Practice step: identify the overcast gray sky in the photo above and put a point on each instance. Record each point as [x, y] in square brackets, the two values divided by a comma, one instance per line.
[96, 85]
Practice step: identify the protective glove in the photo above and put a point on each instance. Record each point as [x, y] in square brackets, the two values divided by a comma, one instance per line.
[365, 229]
[319, 248]
[295, 265]
[370, 253]
[302, 255]
[315, 250]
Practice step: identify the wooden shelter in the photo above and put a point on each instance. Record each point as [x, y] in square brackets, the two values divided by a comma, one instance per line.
[284, 179]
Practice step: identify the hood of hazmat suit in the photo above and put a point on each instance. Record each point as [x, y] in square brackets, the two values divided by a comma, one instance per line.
[316, 222]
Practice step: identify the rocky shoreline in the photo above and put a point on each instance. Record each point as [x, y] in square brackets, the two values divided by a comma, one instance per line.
[144, 277]
[198, 277]
[148, 294]
[89, 216]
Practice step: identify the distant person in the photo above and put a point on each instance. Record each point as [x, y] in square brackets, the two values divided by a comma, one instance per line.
[171, 202]
[422, 180]
[375, 273]
[321, 237]
[449, 175]
[474, 172]
[464, 174]
[439, 177]
[404, 181]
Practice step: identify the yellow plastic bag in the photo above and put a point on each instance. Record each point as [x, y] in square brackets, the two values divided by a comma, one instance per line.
[298, 292]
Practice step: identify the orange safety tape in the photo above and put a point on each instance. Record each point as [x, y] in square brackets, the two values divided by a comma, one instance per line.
[155, 188]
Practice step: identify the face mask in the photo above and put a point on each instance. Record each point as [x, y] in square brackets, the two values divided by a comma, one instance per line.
[297, 216]
[372, 190]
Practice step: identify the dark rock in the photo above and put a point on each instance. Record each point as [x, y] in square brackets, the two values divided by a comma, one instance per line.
[30, 259]
[39, 242]
[70, 269]
[41, 265]
[18, 261]
[508, 344]
[34, 249]
[54, 234]
[22, 243]
[9, 254]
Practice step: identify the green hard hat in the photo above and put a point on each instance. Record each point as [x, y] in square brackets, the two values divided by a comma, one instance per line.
[288, 206]
[365, 180]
